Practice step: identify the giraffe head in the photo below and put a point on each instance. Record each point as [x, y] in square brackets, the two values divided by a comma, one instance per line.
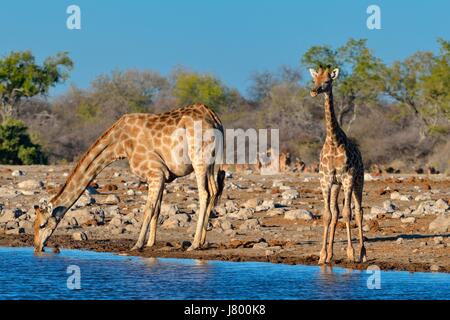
[46, 221]
[323, 79]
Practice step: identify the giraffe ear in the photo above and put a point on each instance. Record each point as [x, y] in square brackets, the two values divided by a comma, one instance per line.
[313, 72]
[335, 73]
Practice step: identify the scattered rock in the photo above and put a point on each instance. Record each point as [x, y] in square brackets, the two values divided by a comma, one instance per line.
[405, 198]
[290, 194]
[398, 215]
[266, 205]
[441, 205]
[395, 195]
[252, 203]
[17, 173]
[82, 216]
[399, 241]
[440, 224]
[423, 197]
[438, 240]
[15, 231]
[298, 214]
[275, 212]
[112, 199]
[79, 236]
[231, 206]
[389, 206]
[30, 184]
[242, 214]
[250, 224]
[7, 215]
[224, 224]
[168, 209]
[177, 220]
[435, 268]
[408, 220]
[84, 200]
[375, 211]
[261, 245]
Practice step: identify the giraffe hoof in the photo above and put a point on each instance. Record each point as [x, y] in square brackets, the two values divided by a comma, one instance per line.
[136, 248]
[192, 248]
[350, 255]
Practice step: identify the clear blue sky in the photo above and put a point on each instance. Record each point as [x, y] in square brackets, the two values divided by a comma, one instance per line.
[229, 38]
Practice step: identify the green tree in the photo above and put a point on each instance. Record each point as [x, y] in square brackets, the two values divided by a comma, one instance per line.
[16, 146]
[359, 80]
[21, 77]
[421, 84]
[191, 87]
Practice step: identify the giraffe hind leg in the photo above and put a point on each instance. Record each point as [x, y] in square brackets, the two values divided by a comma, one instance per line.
[357, 198]
[201, 174]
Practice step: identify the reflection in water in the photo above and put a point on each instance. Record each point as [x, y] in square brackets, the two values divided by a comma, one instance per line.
[109, 276]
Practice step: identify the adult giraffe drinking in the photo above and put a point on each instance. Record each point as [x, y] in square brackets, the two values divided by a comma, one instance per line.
[154, 146]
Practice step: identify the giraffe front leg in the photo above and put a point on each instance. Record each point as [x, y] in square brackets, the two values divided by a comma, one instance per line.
[155, 186]
[326, 216]
[154, 222]
[334, 218]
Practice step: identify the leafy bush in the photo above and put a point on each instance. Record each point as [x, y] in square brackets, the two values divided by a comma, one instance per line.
[16, 146]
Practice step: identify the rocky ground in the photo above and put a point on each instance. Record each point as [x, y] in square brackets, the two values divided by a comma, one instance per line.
[260, 218]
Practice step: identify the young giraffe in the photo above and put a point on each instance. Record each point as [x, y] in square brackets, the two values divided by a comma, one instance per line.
[340, 165]
[154, 146]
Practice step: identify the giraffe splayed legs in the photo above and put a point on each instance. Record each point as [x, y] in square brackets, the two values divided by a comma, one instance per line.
[151, 144]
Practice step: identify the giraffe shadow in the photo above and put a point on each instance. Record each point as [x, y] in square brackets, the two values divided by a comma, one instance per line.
[407, 236]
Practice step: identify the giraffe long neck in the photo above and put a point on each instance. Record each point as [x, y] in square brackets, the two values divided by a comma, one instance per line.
[334, 131]
[99, 155]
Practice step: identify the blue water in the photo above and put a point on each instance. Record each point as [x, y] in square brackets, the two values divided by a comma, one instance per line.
[110, 276]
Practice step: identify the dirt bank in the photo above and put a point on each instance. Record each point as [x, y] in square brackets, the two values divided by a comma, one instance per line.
[260, 218]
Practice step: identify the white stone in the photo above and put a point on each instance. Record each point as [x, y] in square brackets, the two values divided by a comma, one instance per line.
[290, 194]
[112, 199]
[17, 173]
[408, 220]
[440, 224]
[250, 224]
[298, 214]
[30, 184]
[169, 209]
[79, 236]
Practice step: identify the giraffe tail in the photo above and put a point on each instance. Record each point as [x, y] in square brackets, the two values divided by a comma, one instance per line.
[220, 184]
